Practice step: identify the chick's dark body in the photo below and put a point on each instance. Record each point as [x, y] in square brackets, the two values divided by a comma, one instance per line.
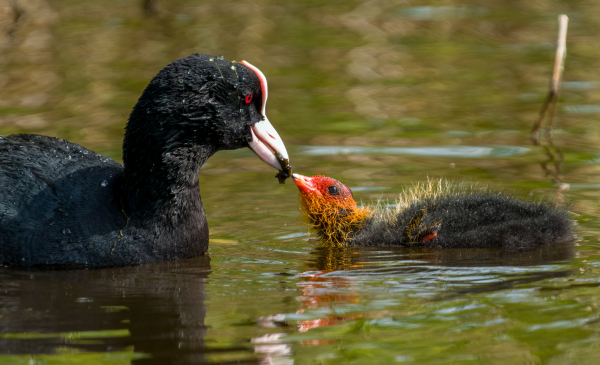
[469, 220]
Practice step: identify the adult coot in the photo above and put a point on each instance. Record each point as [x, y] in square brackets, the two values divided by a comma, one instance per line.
[432, 215]
[61, 204]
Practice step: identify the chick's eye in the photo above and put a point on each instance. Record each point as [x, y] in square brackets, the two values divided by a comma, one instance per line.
[248, 98]
[333, 190]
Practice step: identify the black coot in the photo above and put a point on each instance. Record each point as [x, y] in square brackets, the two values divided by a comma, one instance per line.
[61, 204]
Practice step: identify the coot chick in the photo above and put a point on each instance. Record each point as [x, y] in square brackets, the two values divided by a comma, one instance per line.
[62, 204]
[432, 215]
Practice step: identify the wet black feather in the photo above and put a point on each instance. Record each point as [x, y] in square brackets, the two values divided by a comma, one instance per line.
[61, 204]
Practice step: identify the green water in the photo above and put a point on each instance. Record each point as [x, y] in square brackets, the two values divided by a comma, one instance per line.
[378, 94]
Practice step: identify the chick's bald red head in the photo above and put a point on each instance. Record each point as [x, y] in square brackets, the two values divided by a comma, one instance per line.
[325, 187]
[330, 207]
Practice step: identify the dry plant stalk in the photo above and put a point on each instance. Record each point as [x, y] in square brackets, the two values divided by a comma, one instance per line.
[549, 106]
[552, 98]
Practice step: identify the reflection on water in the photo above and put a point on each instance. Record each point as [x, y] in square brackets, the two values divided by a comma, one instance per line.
[365, 258]
[151, 314]
[381, 94]
[410, 289]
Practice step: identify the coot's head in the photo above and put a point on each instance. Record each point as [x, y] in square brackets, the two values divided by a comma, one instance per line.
[330, 207]
[203, 100]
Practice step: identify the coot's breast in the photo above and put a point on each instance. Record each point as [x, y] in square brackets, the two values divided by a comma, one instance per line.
[55, 194]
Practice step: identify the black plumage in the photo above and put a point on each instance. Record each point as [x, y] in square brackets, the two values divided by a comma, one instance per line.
[483, 220]
[61, 204]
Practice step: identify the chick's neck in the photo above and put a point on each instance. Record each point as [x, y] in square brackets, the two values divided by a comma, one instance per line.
[335, 220]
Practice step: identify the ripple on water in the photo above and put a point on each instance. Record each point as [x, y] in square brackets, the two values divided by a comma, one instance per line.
[442, 12]
[292, 235]
[582, 109]
[435, 151]
[367, 188]
[579, 85]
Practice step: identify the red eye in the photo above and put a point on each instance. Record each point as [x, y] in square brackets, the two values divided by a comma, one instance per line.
[248, 99]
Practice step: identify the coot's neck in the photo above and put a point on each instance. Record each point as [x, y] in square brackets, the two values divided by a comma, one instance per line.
[160, 180]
